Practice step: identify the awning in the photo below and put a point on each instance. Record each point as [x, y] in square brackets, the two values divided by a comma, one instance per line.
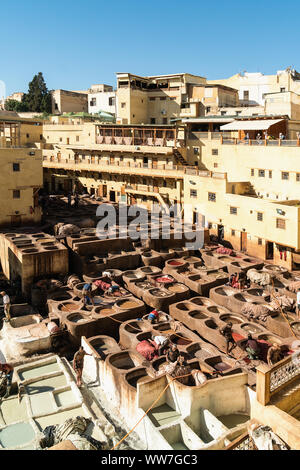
[208, 119]
[256, 125]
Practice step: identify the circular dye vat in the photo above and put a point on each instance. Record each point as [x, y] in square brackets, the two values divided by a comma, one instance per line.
[231, 318]
[68, 307]
[164, 280]
[158, 293]
[253, 329]
[77, 318]
[30, 250]
[127, 304]
[221, 366]
[215, 309]
[50, 248]
[175, 263]
[61, 298]
[176, 288]
[104, 311]
[180, 340]
[183, 306]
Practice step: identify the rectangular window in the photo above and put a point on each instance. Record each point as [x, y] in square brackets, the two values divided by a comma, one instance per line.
[280, 223]
[93, 102]
[233, 210]
[123, 105]
[208, 109]
[162, 98]
[165, 121]
[260, 216]
[259, 241]
[284, 175]
[212, 197]
[77, 138]
[252, 171]
[246, 95]
[270, 174]
[111, 101]
[216, 165]
[16, 166]
[223, 113]
[152, 99]
[215, 152]
[298, 177]
[261, 173]
[193, 193]
[152, 120]
[233, 233]
[282, 90]
[16, 194]
[196, 150]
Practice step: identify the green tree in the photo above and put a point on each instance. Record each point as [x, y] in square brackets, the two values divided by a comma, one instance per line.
[17, 106]
[38, 98]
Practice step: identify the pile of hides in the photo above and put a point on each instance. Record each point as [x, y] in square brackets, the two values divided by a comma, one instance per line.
[64, 230]
[265, 439]
[147, 350]
[259, 277]
[225, 251]
[286, 303]
[294, 286]
[256, 311]
[72, 430]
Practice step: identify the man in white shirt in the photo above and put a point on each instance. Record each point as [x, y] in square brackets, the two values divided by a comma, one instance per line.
[162, 342]
[6, 304]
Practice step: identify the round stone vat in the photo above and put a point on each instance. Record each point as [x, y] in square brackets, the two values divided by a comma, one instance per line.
[104, 311]
[234, 319]
[29, 251]
[216, 309]
[61, 297]
[210, 323]
[270, 338]
[77, 318]
[251, 328]
[197, 315]
[124, 360]
[202, 301]
[136, 376]
[128, 304]
[184, 306]
[68, 307]
[158, 293]
[103, 344]
[133, 328]
[180, 339]
[51, 248]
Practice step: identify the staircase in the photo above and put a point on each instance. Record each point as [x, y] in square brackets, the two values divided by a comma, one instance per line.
[179, 158]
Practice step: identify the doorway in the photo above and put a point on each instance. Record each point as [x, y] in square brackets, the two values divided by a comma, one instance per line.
[269, 250]
[244, 241]
[112, 196]
[220, 233]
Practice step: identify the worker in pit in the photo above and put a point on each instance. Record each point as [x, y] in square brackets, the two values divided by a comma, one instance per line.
[78, 363]
[8, 370]
[87, 294]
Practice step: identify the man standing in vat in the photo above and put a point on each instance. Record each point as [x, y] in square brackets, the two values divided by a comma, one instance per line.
[6, 304]
[78, 363]
[227, 333]
[8, 371]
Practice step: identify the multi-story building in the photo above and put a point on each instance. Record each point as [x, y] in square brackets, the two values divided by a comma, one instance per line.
[64, 101]
[21, 172]
[102, 98]
[252, 87]
[247, 188]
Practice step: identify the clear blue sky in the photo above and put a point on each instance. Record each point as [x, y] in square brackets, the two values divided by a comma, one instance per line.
[77, 43]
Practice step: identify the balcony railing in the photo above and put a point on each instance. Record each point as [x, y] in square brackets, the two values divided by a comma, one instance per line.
[270, 380]
[260, 142]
